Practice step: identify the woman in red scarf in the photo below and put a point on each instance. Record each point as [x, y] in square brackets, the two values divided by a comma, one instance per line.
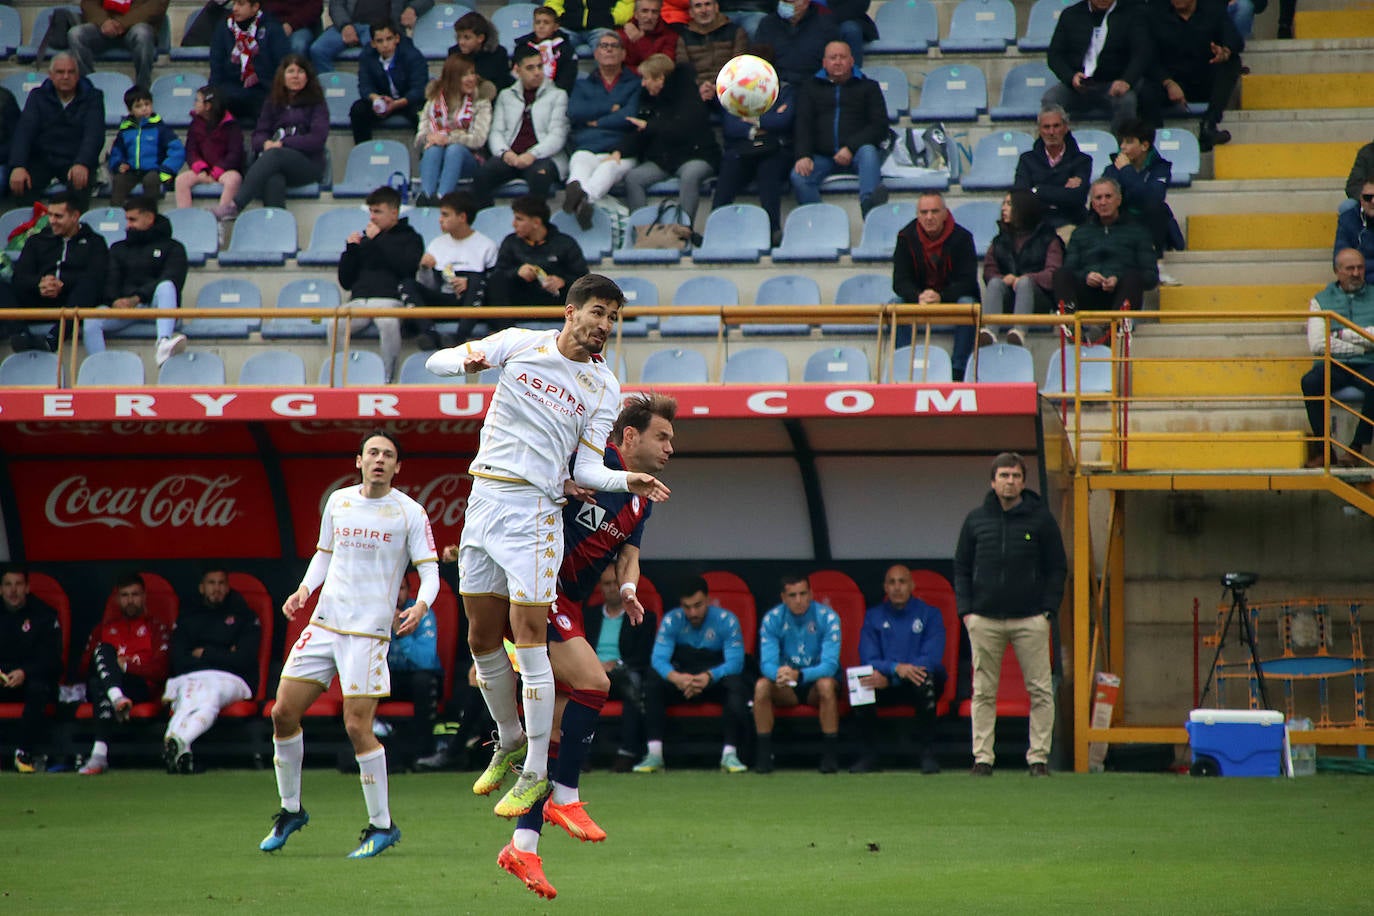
[453, 126]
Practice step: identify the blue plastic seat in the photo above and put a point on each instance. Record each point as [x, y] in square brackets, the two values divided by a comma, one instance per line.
[904, 27]
[29, 368]
[311, 292]
[227, 292]
[22, 83]
[310, 190]
[1001, 363]
[881, 226]
[340, 92]
[784, 290]
[11, 30]
[638, 291]
[113, 368]
[434, 30]
[363, 366]
[1181, 149]
[627, 253]
[980, 27]
[595, 242]
[735, 233]
[181, 51]
[329, 235]
[994, 161]
[814, 232]
[756, 366]
[895, 86]
[265, 236]
[1022, 89]
[674, 367]
[494, 222]
[193, 368]
[920, 364]
[512, 21]
[114, 84]
[953, 93]
[1040, 24]
[708, 290]
[197, 230]
[371, 165]
[174, 92]
[862, 289]
[1096, 374]
[979, 217]
[1098, 144]
[837, 364]
[424, 220]
[277, 366]
[41, 20]
[413, 372]
[108, 222]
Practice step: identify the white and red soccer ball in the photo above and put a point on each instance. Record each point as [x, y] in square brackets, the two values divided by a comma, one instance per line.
[747, 86]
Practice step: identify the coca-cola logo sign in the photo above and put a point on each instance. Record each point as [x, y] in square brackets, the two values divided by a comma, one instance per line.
[176, 500]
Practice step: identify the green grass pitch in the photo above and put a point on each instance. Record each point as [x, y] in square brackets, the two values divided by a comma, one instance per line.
[700, 842]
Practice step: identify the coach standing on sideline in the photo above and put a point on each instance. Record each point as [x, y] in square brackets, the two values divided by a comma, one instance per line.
[1009, 571]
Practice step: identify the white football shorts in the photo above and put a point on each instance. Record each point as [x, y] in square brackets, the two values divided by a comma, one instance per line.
[512, 545]
[360, 662]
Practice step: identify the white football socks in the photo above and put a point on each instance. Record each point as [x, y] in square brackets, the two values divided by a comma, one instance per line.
[496, 679]
[372, 774]
[537, 675]
[286, 760]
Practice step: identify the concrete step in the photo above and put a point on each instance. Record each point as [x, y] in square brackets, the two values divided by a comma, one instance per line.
[1307, 90]
[1211, 376]
[1358, 21]
[1212, 450]
[1242, 161]
[1287, 297]
[1260, 231]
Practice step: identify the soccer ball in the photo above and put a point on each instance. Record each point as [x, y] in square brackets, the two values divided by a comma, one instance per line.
[747, 86]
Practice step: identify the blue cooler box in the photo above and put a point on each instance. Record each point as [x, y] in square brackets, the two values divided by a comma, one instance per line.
[1240, 742]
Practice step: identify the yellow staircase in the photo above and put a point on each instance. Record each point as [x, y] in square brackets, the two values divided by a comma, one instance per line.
[1355, 22]
[1290, 297]
[1241, 161]
[1215, 451]
[1263, 231]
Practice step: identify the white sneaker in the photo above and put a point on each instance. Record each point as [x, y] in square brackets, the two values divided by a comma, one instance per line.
[1168, 279]
[168, 347]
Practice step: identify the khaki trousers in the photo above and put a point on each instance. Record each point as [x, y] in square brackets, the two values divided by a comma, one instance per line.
[1029, 637]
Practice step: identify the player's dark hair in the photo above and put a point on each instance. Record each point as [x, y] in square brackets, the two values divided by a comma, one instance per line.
[523, 53]
[531, 205]
[791, 578]
[1140, 130]
[141, 203]
[594, 286]
[460, 202]
[385, 196]
[14, 569]
[130, 578]
[640, 410]
[362, 444]
[1007, 460]
[692, 586]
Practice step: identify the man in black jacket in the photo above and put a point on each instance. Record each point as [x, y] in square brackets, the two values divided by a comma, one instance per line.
[933, 261]
[841, 120]
[59, 134]
[1197, 52]
[536, 263]
[148, 268]
[30, 661]
[214, 660]
[378, 268]
[1055, 170]
[1009, 571]
[1102, 53]
[625, 663]
[61, 267]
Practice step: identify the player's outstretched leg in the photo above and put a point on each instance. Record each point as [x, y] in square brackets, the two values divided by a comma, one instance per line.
[529, 868]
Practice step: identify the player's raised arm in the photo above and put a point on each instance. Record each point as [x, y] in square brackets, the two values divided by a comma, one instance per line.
[475, 355]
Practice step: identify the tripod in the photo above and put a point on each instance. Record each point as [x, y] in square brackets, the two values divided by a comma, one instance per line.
[1240, 613]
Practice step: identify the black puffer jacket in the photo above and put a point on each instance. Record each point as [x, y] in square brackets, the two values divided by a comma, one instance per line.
[1035, 174]
[79, 262]
[375, 268]
[1127, 54]
[228, 637]
[143, 260]
[31, 640]
[677, 126]
[1011, 563]
[834, 115]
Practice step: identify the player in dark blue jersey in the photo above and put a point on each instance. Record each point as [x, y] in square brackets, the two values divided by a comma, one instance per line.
[596, 534]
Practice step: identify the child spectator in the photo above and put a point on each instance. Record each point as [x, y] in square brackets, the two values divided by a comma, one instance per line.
[454, 268]
[555, 46]
[145, 150]
[289, 138]
[214, 149]
[453, 126]
[391, 81]
[477, 40]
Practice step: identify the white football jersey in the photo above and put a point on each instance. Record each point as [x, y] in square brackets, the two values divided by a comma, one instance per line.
[371, 542]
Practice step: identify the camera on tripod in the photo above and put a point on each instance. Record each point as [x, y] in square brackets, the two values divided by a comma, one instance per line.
[1238, 580]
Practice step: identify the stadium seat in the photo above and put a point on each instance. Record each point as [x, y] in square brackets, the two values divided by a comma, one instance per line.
[256, 596]
[50, 591]
[953, 93]
[895, 86]
[756, 366]
[192, 368]
[1098, 144]
[638, 291]
[919, 364]
[734, 233]
[1180, 148]
[29, 368]
[180, 51]
[21, 84]
[11, 31]
[424, 220]
[837, 364]
[413, 372]
[114, 84]
[1022, 88]
[861, 289]
[708, 290]
[980, 27]
[594, 242]
[340, 92]
[12, 220]
[881, 226]
[814, 232]
[904, 27]
[1001, 363]
[273, 367]
[512, 21]
[308, 191]
[329, 235]
[197, 230]
[111, 368]
[311, 292]
[494, 222]
[265, 236]
[674, 367]
[42, 18]
[108, 223]
[979, 217]
[732, 593]
[227, 292]
[784, 290]
[363, 366]
[1096, 373]
[994, 161]
[434, 30]
[1044, 16]
[646, 215]
[371, 165]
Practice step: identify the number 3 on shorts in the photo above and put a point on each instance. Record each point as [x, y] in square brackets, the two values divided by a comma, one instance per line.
[305, 638]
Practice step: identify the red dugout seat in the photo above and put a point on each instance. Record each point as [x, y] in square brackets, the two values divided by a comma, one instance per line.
[257, 598]
[446, 618]
[161, 603]
[841, 594]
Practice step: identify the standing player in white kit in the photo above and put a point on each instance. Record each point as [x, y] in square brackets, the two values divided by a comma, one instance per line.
[554, 394]
[368, 534]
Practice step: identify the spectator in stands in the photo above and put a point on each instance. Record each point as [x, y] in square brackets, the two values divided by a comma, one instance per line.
[904, 640]
[1287, 9]
[624, 652]
[535, 263]
[1355, 228]
[1360, 171]
[1197, 59]
[646, 34]
[147, 269]
[392, 76]
[1352, 362]
[698, 655]
[127, 660]
[476, 39]
[9, 122]
[1009, 571]
[63, 266]
[851, 16]
[288, 140]
[798, 33]
[557, 49]
[1110, 262]
[601, 105]
[933, 261]
[214, 149]
[759, 150]
[1242, 13]
[128, 24]
[529, 129]
[799, 658]
[1144, 176]
[1101, 53]
[588, 20]
[215, 661]
[675, 137]
[1020, 265]
[378, 266]
[707, 42]
[59, 135]
[841, 121]
[245, 51]
[1055, 170]
[351, 21]
[300, 21]
[30, 663]
[455, 267]
[145, 150]
[417, 677]
[454, 125]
